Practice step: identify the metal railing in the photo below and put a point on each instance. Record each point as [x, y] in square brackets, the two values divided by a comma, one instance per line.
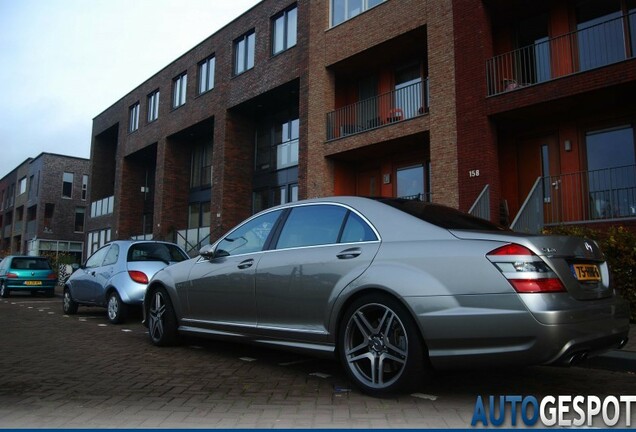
[397, 105]
[191, 240]
[585, 196]
[606, 194]
[481, 206]
[550, 58]
[529, 219]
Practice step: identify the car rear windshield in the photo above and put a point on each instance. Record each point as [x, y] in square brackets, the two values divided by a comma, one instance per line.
[442, 216]
[30, 264]
[156, 252]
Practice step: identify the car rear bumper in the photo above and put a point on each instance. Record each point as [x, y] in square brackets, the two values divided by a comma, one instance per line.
[502, 329]
[20, 286]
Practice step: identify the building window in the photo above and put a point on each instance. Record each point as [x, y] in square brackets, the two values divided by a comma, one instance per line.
[32, 188]
[611, 158]
[179, 86]
[201, 166]
[153, 106]
[199, 215]
[84, 187]
[343, 10]
[284, 30]
[411, 182]
[206, 75]
[67, 185]
[133, 124]
[79, 219]
[22, 185]
[287, 150]
[49, 210]
[244, 52]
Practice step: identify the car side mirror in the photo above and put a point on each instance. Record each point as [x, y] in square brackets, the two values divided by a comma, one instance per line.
[210, 252]
[75, 266]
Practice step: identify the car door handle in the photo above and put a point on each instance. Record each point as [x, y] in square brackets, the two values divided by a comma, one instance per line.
[349, 253]
[93, 273]
[246, 264]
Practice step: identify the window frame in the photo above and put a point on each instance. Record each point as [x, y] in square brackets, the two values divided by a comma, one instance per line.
[133, 117]
[207, 71]
[70, 195]
[245, 65]
[365, 7]
[179, 90]
[84, 187]
[285, 27]
[153, 106]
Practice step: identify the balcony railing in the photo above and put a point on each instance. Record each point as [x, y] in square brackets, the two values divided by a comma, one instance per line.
[586, 196]
[192, 239]
[588, 48]
[397, 105]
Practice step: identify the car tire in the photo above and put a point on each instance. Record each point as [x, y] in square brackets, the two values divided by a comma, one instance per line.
[162, 322]
[116, 308]
[380, 346]
[4, 291]
[69, 306]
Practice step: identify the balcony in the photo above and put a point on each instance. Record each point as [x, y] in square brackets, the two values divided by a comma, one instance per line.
[547, 59]
[581, 197]
[395, 106]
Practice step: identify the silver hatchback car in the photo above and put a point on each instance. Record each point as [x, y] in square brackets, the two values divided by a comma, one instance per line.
[394, 288]
[116, 276]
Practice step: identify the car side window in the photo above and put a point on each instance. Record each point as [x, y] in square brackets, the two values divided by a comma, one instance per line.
[312, 225]
[97, 258]
[356, 230]
[251, 236]
[112, 255]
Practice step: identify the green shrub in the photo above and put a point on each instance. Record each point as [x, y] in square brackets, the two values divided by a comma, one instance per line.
[619, 245]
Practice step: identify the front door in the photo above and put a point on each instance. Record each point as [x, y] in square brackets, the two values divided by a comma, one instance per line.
[368, 183]
[539, 157]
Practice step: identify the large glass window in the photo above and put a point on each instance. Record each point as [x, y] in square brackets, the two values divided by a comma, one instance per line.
[342, 10]
[244, 48]
[199, 215]
[153, 106]
[206, 74]
[201, 166]
[179, 86]
[84, 187]
[284, 30]
[287, 150]
[408, 92]
[251, 236]
[611, 164]
[67, 185]
[410, 183]
[600, 35]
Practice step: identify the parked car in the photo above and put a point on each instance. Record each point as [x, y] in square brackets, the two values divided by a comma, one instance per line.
[27, 273]
[116, 276]
[394, 288]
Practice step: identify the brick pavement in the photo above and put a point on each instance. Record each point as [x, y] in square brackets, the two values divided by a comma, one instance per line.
[82, 372]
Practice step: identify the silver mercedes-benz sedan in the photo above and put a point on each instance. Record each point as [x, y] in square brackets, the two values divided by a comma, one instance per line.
[394, 288]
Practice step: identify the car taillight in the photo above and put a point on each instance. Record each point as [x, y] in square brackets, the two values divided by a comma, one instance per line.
[526, 272]
[12, 276]
[52, 276]
[137, 276]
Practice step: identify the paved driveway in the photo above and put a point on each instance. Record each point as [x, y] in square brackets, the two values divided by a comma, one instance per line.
[81, 372]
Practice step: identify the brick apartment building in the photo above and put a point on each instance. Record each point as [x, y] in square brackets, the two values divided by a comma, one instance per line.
[515, 110]
[42, 206]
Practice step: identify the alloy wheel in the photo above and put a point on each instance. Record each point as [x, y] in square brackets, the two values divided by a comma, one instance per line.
[113, 308]
[376, 346]
[156, 316]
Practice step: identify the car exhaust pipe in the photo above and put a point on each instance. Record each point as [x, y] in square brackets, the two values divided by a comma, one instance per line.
[577, 358]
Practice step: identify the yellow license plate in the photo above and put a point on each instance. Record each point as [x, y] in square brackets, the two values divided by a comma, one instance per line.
[587, 272]
[33, 283]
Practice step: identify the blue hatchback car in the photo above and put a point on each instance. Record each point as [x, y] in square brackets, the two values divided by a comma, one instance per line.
[27, 273]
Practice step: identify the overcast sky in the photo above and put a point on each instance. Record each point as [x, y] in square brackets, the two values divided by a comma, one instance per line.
[62, 62]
